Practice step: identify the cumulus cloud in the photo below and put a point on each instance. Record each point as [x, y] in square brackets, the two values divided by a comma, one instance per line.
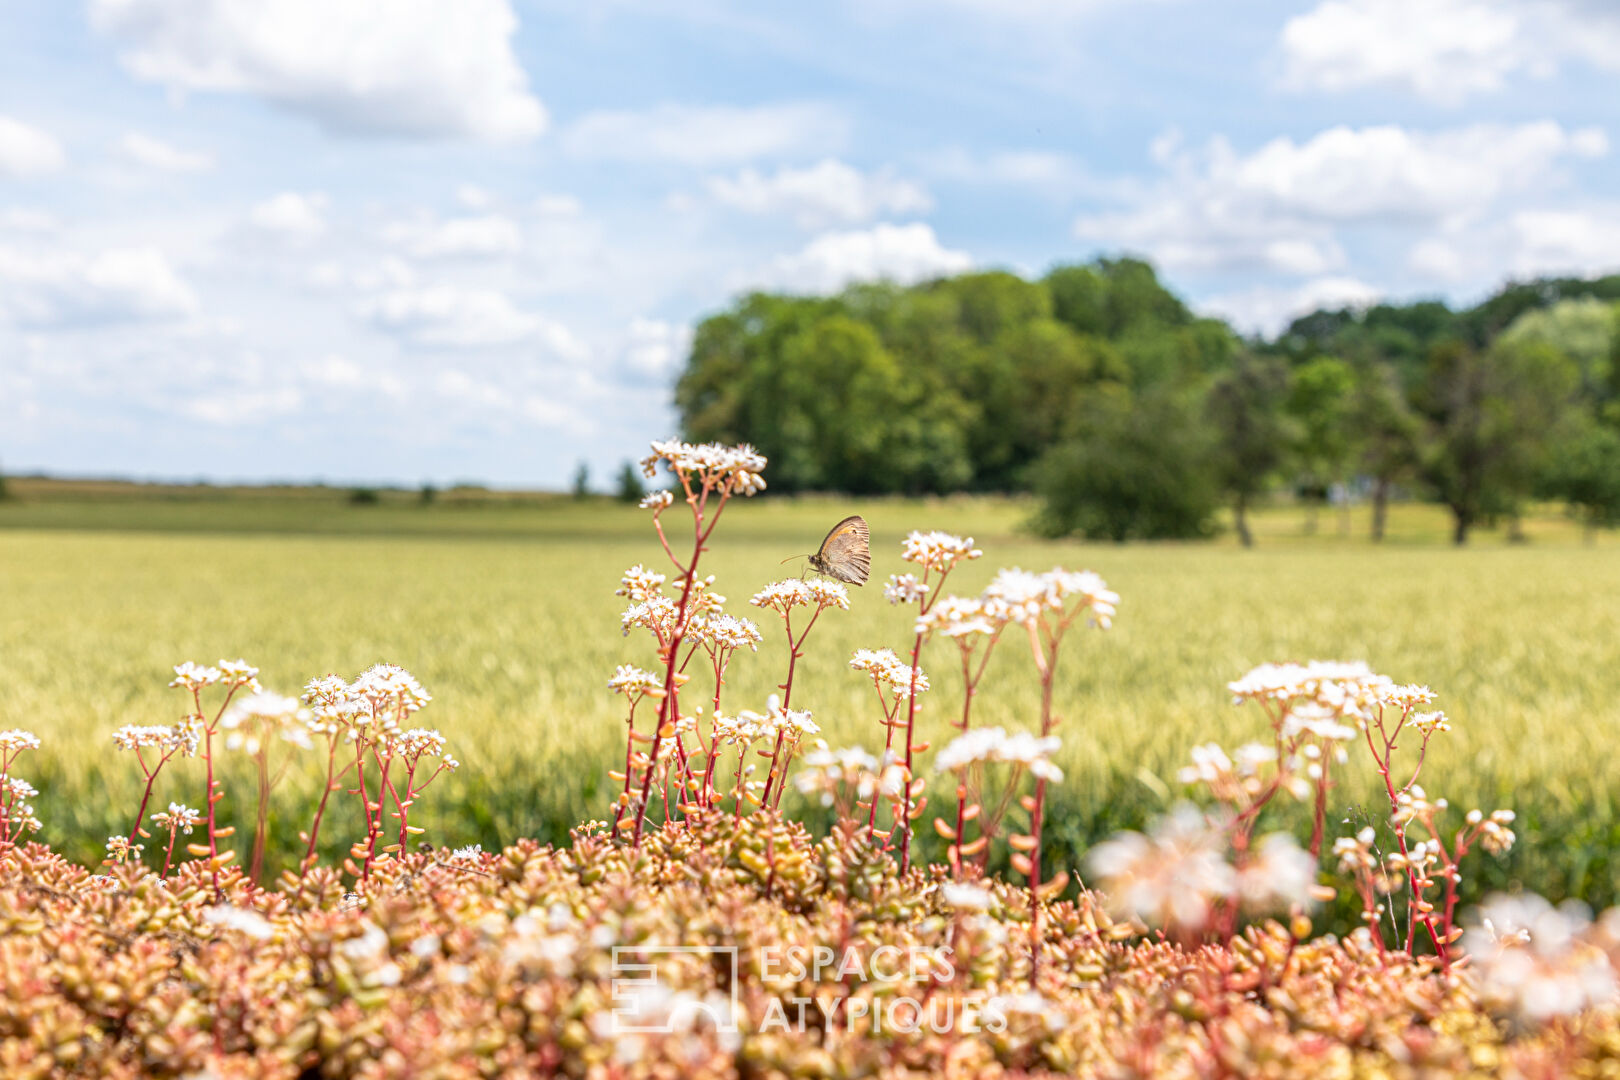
[1576, 240]
[827, 193]
[1280, 207]
[1268, 310]
[1443, 50]
[291, 215]
[901, 253]
[706, 135]
[58, 290]
[27, 151]
[419, 68]
[156, 154]
[654, 348]
[453, 317]
[484, 236]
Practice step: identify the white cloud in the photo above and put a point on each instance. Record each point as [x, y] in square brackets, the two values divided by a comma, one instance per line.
[300, 217]
[1280, 207]
[1269, 310]
[336, 372]
[66, 289]
[422, 68]
[558, 206]
[1581, 241]
[901, 253]
[1443, 50]
[485, 236]
[827, 193]
[707, 135]
[655, 348]
[452, 317]
[157, 154]
[27, 151]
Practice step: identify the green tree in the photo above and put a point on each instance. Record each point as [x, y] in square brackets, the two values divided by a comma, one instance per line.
[1585, 473]
[1490, 414]
[630, 487]
[1386, 433]
[1137, 468]
[1245, 409]
[1583, 329]
[582, 481]
[1319, 399]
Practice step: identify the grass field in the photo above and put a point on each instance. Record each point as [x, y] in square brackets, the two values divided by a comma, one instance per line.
[504, 608]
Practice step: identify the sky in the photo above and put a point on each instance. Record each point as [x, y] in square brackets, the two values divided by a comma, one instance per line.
[408, 241]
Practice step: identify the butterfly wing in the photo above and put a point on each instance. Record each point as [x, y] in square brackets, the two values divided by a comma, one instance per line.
[846, 554]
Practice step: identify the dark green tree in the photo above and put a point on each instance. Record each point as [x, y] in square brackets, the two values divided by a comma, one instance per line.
[630, 487]
[1585, 473]
[1319, 398]
[1245, 410]
[1137, 468]
[1491, 412]
[582, 481]
[1386, 434]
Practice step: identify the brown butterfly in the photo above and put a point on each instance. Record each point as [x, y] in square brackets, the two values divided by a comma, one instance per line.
[846, 554]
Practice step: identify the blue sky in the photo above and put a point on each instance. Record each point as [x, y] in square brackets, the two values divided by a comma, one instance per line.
[433, 240]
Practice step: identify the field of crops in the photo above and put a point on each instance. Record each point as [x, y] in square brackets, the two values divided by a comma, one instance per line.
[505, 611]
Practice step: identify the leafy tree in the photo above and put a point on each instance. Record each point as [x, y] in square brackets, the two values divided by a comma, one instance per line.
[1245, 408]
[1137, 468]
[1585, 473]
[1583, 329]
[1319, 397]
[630, 487]
[582, 481]
[1490, 412]
[1387, 434]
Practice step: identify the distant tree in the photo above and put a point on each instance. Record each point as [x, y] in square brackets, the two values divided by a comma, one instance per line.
[630, 489]
[1583, 329]
[582, 481]
[1319, 397]
[1136, 469]
[1491, 413]
[1386, 434]
[1245, 409]
[5, 492]
[364, 496]
[428, 494]
[1585, 473]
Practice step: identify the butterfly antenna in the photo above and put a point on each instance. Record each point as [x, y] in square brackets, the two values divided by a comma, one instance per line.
[790, 558]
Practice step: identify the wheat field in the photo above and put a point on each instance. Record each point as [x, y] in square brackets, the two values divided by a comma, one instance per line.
[506, 613]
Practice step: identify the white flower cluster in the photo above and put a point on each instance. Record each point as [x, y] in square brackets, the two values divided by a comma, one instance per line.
[1021, 597]
[958, 617]
[904, 589]
[1172, 876]
[119, 850]
[723, 631]
[419, 741]
[888, 671]
[1536, 962]
[994, 744]
[784, 596]
[631, 680]
[746, 726]
[391, 686]
[640, 583]
[1495, 832]
[14, 796]
[939, 551]
[715, 463]
[1322, 697]
[15, 740]
[657, 501]
[825, 772]
[252, 718]
[139, 736]
[656, 615]
[1228, 777]
[233, 673]
[178, 816]
[1355, 853]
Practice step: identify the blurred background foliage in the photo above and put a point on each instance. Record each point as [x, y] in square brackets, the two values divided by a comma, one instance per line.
[1099, 390]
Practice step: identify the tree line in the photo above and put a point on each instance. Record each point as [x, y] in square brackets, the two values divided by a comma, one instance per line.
[1131, 417]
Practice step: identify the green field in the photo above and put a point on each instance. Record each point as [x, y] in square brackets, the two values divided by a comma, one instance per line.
[504, 608]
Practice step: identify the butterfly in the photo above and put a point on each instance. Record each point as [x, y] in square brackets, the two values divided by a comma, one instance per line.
[846, 554]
